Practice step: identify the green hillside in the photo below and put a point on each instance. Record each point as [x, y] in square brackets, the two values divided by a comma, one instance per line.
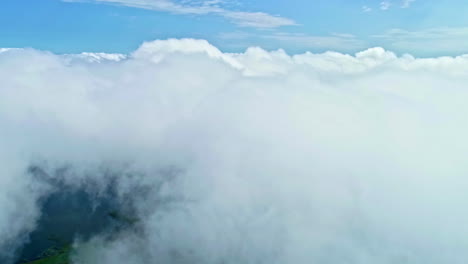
[54, 256]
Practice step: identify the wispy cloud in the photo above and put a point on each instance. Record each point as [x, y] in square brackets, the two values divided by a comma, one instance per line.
[186, 7]
[385, 5]
[366, 9]
[257, 19]
[205, 7]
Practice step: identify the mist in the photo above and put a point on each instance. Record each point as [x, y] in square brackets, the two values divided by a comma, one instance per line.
[257, 157]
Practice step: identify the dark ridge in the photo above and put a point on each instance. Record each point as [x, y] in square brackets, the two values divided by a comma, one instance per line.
[87, 208]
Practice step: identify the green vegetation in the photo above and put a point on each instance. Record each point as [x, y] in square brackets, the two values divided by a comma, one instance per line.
[60, 254]
[54, 255]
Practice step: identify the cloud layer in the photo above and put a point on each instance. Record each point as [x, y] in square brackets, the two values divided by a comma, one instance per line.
[257, 157]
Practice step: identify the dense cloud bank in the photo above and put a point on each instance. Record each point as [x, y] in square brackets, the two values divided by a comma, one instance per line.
[258, 157]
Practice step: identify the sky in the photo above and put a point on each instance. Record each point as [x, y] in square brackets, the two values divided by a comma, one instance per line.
[120, 26]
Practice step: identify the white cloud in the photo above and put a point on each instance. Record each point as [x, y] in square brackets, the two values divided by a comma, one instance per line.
[244, 19]
[309, 158]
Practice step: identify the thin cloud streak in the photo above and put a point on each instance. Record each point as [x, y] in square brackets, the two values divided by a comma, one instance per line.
[240, 18]
[385, 5]
[334, 41]
[446, 39]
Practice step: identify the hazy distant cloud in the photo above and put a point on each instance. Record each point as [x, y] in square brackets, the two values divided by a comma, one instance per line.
[407, 3]
[334, 41]
[448, 39]
[330, 42]
[243, 19]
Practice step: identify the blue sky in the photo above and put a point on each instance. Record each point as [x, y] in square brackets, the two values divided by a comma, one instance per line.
[420, 27]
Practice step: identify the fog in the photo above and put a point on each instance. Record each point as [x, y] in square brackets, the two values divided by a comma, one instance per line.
[257, 157]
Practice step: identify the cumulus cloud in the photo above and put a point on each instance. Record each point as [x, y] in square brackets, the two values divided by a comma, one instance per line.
[255, 157]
